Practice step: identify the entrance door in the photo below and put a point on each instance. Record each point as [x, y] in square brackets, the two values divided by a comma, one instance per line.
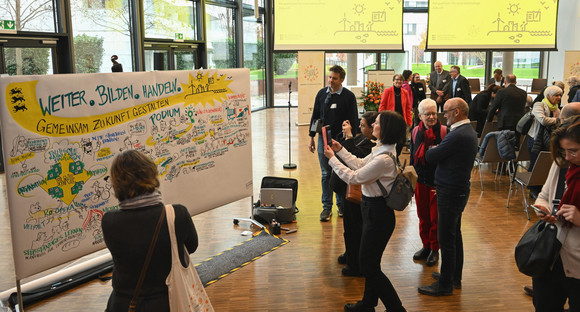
[171, 58]
[28, 61]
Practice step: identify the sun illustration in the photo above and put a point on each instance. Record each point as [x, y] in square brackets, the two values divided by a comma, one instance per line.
[514, 8]
[359, 9]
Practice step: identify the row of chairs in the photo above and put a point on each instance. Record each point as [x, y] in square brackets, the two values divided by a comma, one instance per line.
[537, 176]
[538, 84]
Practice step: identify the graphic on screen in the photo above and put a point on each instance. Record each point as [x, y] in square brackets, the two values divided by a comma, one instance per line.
[494, 24]
[326, 25]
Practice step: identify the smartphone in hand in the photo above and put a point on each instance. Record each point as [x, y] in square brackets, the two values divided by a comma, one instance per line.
[540, 210]
[326, 136]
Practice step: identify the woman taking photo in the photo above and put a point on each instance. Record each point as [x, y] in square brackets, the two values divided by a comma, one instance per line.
[378, 220]
[553, 288]
[360, 146]
[128, 233]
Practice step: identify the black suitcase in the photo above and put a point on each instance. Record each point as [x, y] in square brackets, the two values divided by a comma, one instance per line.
[265, 215]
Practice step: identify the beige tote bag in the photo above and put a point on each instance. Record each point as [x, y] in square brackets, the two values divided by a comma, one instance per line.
[186, 293]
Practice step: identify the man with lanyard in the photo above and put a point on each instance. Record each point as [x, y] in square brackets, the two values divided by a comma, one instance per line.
[332, 105]
[439, 81]
[459, 85]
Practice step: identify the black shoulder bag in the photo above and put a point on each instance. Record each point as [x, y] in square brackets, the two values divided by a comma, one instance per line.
[539, 248]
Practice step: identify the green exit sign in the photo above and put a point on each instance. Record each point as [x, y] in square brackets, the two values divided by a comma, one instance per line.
[178, 36]
[7, 26]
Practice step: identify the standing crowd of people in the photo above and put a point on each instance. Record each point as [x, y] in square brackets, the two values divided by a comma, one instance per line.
[443, 156]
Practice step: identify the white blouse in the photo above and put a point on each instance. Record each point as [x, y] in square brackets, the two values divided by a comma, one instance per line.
[568, 236]
[366, 171]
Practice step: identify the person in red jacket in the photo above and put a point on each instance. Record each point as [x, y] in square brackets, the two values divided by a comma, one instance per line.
[397, 99]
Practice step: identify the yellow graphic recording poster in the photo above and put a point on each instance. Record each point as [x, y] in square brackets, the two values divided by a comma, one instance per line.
[61, 132]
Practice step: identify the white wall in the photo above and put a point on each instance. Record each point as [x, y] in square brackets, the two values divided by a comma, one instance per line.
[567, 38]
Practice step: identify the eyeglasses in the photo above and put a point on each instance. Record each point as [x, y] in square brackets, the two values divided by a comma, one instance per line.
[447, 111]
[429, 114]
[572, 153]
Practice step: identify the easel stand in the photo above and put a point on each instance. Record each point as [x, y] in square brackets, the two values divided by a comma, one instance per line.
[20, 301]
[289, 165]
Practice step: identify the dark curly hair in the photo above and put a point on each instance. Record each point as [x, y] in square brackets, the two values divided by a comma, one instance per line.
[132, 174]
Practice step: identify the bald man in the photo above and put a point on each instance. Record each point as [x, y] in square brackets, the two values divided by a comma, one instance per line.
[569, 110]
[439, 83]
[454, 158]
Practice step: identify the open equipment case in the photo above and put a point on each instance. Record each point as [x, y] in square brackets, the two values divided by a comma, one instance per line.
[264, 215]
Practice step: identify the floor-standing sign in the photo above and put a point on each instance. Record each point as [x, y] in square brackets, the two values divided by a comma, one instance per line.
[311, 77]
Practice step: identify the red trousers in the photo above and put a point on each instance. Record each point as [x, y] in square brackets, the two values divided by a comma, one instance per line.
[426, 199]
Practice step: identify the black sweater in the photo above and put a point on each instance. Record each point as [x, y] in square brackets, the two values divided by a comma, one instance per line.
[333, 112]
[128, 233]
[454, 158]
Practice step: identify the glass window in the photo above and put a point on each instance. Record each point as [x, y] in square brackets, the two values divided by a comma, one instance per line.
[185, 59]
[416, 4]
[156, 60]
[28, 61]
[419, 61]
[409, 29]
[221, 43]
[169, 19]
[251, 2]
[29, 15]
[285, 70]
[472, 64]
[101, 30]
[255, 59]
[525, 65]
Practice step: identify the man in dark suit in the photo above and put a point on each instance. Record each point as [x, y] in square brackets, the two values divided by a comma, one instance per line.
[459, 86]
[454, 158]
[509, 103]
[439, 81]
[498, 78]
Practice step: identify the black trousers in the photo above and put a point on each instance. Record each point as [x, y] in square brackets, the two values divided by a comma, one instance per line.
[352, 222]
[450, 205]
[553, 288]
[378, 226]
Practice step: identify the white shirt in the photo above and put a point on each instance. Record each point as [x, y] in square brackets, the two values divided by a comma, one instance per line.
[366, 171]
[569, 236]
[459, 123]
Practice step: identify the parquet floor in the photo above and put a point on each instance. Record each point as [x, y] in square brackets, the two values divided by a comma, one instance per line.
[304, 274]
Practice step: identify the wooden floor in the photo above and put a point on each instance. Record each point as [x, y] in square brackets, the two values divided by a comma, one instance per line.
[304, 274]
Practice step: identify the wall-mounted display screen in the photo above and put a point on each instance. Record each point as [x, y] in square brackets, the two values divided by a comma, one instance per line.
[338, 25]
[492, 24]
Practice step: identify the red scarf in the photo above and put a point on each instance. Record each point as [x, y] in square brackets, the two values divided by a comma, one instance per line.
[428, 140]
[572, 194]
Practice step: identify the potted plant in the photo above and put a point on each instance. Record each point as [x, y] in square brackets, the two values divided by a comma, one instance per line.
[372, 95]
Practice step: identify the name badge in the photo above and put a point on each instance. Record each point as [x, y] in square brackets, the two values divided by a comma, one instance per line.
[444, 80]
[420, 89]
[333, 106]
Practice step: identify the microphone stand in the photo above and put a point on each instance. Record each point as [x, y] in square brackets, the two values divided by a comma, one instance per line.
[289, 165]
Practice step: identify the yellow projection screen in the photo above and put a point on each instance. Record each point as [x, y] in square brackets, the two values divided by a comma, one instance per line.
[338, 25]
[492, 24]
